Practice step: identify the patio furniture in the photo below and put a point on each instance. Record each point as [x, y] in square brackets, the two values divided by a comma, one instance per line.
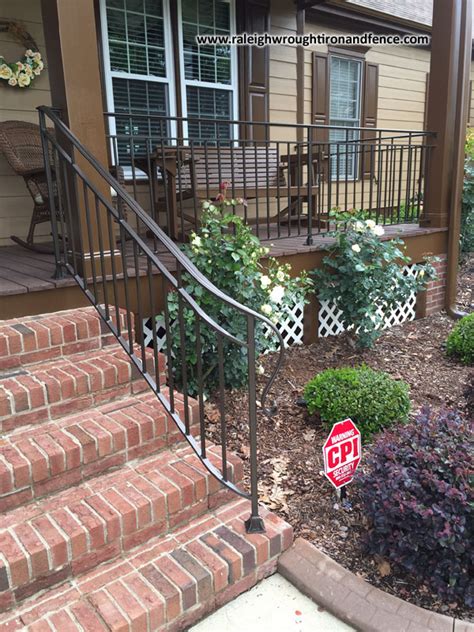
[196, 173]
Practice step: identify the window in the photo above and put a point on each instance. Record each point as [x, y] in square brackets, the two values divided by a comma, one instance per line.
[344, 110]
[138, 64]
[209, 76]
[138, 61]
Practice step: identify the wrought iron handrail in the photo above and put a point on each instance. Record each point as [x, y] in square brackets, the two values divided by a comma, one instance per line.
[86, 248]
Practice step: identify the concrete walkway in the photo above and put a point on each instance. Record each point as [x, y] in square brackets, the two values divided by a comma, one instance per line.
[274, 605]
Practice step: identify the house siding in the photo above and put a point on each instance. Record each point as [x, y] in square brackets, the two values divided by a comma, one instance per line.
[15, 202]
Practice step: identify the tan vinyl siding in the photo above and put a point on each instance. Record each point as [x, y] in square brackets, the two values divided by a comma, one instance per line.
[15, 202]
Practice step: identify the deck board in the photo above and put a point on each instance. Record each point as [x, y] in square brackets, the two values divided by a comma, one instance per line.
[23, 271]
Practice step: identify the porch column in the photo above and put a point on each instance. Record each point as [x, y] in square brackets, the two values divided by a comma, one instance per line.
[76, 88]
[450, 40]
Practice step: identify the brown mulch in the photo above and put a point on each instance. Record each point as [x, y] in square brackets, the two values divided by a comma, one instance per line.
[290, 442]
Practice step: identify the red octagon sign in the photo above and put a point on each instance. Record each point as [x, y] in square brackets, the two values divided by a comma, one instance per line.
[342, 453]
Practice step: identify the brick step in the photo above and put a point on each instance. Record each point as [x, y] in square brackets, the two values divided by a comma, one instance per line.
[34, 339]
[166, 584]
[43, 392]
[72, 531]
[54, 455]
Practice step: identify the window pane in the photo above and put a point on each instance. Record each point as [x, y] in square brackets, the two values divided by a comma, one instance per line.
[144, 97]
[344, 109]
[209, 103]
[118, 57]
[154, 7]
[136, 28]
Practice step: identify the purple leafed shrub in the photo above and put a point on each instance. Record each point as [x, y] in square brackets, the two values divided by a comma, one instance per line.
[419, 500]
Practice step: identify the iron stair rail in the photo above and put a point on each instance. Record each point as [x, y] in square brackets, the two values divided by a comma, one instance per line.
[70, 186]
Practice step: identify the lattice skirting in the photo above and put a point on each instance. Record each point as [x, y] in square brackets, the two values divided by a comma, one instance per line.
[330, 316]
[290, 325]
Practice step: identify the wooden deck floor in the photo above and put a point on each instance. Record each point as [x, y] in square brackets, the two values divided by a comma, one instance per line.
[23, 271]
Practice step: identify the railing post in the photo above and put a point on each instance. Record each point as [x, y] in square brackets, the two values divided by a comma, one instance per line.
[309, 238]
[254, 524]
[59, 271]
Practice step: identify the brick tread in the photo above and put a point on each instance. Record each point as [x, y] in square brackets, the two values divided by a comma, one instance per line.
[166, 584]
[72, 531]
[48, 391]
[54, 455]
[30, 340]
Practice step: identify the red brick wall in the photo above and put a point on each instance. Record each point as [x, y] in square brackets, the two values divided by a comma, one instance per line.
[434, 296]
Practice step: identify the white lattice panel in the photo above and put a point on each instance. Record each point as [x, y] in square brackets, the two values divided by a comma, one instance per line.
[330, 316]
[290, 324]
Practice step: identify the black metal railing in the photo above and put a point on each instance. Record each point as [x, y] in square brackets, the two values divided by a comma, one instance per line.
[121, 258]
[291, 176]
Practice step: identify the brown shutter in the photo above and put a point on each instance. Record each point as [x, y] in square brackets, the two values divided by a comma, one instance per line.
[320, 105]
[369, 108]
[427, 92]
[254, 62]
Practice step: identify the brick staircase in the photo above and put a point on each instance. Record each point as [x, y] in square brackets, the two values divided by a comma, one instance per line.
[108, 519]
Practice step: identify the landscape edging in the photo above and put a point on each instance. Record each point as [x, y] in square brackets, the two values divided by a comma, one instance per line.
[355, 601]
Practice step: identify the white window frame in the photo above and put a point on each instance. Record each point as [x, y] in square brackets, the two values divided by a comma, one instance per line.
[111, 74]
[232, 86]
[353, 176]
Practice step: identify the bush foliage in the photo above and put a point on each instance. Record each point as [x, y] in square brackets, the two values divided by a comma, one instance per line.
[460, 342]
[229, 255]
[416, 493]
[372, 399]
[364, 275]
[467, 210]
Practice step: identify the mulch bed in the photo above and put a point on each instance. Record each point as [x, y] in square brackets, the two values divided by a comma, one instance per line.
[290, 442]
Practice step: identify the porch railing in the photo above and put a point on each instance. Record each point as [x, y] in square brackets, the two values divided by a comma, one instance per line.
[100, 240]
[290, 176]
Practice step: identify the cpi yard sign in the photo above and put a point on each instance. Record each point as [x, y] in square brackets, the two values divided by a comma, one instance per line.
[342, 453]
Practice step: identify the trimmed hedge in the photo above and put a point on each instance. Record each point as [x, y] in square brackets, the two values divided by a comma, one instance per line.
[372, 399]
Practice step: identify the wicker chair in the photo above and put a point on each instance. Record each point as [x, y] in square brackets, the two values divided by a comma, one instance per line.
[20, 143]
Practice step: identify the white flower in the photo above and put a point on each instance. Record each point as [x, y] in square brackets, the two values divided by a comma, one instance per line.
[29, 53]
[260, 370]
[379, 231]
[28, 70]
[359, 227]
[355, 247]
[277, 294]
[37, 57]
[281, 276]
[12, 81]
[265, 281]
[20, 65]
[266, 309]
[23, 80]
[421, 274]
[196, 241]
[39, 66]
[370, 224]
[5, 72]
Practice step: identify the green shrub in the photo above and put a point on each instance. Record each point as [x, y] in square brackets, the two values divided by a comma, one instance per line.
[460, 341]
[372, 399]
[467, 210]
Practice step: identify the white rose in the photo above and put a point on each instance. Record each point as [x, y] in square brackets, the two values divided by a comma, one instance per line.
[355, 247]
[370, 224]
[13, 81]
[23, 80]
[28, 70]
[196, 241]
[37, 57]
[281, 276]
[20, 65]
[277, 294]
[359, 227]
[29, 53]
[5, 72]
[261, 370]
[39, 66]
[379, 231]
[265, 281]
[266, 309]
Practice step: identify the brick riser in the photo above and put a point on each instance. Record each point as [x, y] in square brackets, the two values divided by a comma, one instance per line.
[52, 456]
[168, 584]
[67, 385]
[72, 531]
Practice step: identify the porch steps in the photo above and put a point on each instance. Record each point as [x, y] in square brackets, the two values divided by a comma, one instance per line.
[167, 583]
[47, 457]
[108, 518]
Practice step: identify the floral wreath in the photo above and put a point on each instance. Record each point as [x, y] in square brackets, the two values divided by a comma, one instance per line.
[21, 73]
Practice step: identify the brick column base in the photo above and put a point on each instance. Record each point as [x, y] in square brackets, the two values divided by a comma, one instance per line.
[433, 299]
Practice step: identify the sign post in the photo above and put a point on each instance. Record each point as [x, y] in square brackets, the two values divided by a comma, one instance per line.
[341, 453]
